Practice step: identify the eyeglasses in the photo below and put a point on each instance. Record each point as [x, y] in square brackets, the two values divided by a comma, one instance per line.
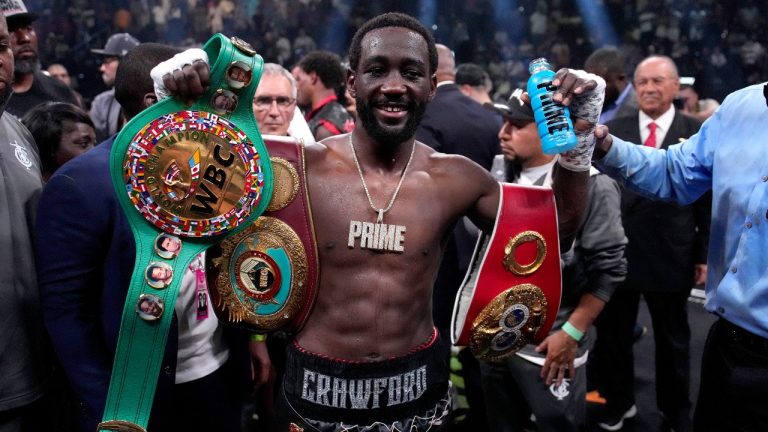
[265, 102]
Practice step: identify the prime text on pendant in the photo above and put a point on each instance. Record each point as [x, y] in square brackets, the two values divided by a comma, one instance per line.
[377, 236]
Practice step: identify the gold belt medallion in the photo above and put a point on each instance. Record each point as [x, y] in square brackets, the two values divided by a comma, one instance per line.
[510, 261]
[193, 174]
[286, 184]
[508, 322]
[262, 276]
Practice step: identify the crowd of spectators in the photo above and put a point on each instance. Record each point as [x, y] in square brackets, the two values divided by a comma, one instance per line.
[718, 44]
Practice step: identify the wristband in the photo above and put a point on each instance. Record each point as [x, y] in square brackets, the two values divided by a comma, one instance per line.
[587, 106]
[572, 331]
[258, 337]
[173, 64]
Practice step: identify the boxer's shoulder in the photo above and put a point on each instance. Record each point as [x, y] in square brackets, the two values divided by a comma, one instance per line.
[319, 154]
[456, 167]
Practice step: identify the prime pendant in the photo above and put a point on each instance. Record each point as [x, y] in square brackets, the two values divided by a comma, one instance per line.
[376, 236]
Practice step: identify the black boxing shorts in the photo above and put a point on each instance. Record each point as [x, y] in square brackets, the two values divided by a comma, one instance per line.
[321, 393]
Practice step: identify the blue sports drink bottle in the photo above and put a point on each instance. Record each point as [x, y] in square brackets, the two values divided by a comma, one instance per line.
[552, 119]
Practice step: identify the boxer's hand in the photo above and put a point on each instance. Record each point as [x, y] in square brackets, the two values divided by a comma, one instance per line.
[584, 94]
[576, 88]
[185, 76]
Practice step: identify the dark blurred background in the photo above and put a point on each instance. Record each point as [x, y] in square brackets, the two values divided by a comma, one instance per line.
[718, 43]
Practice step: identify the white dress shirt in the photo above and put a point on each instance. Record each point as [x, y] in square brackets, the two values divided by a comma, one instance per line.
[663, 123]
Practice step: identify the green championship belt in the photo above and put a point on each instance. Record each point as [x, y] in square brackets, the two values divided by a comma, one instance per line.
[186, 178]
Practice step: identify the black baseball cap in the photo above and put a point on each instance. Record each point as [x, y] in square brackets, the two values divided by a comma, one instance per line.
[15, 11]
[514, 109]
[117, 45]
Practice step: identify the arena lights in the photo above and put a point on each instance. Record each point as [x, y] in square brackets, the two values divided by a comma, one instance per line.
[335, 38]
[501, 10]
[428, 14]
[596, 22]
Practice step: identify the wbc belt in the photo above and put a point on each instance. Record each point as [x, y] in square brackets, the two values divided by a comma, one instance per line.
[186, 177]
[511, 293]
[265, 277]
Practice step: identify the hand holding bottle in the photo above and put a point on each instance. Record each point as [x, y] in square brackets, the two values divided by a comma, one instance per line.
[550, 95]
[553, 120]
[586, 103]
[583, 93]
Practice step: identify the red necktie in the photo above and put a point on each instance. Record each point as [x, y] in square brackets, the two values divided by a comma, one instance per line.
[651, 140]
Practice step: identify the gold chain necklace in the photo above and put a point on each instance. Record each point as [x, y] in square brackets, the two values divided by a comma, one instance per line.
[379, 237]
[380, 218]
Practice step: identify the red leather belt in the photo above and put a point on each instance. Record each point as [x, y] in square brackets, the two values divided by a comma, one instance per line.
[265, 278]
[511, 293]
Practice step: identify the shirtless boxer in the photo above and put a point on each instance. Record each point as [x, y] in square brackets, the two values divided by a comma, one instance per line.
[369, 356]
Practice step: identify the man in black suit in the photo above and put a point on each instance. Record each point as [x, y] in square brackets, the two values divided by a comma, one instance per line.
[457, 124]
[666, 256]
[620, 99]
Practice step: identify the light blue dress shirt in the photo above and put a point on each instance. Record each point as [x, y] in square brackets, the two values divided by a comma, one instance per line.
[730, 156]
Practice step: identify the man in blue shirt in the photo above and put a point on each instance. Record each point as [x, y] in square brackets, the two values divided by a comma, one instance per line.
[729, 157]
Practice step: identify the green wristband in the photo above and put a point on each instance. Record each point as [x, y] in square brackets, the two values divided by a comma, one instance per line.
[572, 331]
[258, 337]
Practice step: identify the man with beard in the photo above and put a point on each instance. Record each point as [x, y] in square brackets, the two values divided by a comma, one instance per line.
[23, 362]
[106, 113]
[514, 389]
[31, 86]
[371, 333]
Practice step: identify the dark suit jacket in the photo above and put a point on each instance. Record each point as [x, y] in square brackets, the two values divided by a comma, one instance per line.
[666, 240]
[457, 124]
[628, 106]
[85, 254]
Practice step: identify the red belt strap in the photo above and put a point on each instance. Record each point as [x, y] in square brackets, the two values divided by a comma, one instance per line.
[287, 226]
[511, 293]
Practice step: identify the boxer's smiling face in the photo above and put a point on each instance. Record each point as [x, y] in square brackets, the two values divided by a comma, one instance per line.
[392, 83]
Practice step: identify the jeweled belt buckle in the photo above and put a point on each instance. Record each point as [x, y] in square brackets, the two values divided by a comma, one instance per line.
[119, 426]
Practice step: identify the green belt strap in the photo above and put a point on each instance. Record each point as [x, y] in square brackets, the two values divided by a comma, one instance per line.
[188, 177]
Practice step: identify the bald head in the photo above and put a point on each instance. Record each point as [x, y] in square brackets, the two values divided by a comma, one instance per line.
[658, 63]
[656, 84]
[446, 64]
